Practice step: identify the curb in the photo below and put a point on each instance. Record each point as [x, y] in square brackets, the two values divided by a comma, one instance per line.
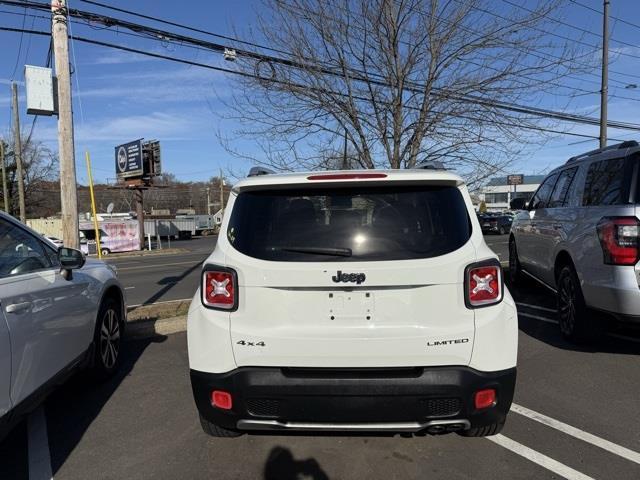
[151, 328]
[144, 253]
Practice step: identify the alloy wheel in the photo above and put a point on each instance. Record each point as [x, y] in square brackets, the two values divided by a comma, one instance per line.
[109, 338]
[567, 305]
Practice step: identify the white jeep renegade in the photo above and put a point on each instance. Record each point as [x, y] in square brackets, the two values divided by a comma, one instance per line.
[352, 301]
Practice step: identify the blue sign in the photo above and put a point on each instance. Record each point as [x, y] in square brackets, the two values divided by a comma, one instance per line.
[129, 160]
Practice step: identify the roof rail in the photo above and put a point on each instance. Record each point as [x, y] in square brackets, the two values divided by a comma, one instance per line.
[431, 165]
[617, 146]
[257, 171]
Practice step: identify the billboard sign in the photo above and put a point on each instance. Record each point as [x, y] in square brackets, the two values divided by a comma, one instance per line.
[129, 160]
[515, 179]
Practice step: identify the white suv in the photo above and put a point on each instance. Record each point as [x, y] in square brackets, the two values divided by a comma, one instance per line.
[352, 301]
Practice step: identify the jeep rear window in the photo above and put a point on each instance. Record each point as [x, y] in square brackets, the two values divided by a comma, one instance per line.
[349, 224]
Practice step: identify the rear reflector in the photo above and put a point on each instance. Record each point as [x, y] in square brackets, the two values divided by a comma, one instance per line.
[483, 284]
[221, 400]
[485, 398]
[619, 240]
[219, 288]
[347, 176]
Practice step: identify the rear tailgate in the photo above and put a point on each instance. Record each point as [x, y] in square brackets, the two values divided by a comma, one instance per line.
[351, 275]
[410, 313]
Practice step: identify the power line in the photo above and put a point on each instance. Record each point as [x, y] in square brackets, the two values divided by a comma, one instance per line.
[186, 27]
[169, 36]
[617, 19]
[544, 56]
[15, 67]
[566, 24]
[533, 111]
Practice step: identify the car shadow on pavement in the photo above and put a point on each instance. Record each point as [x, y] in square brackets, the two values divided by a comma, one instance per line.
[544, 330]
[282, 466]
[72, 408]
[170, 282]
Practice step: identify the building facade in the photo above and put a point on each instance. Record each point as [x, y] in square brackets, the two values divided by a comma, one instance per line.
[497, 194]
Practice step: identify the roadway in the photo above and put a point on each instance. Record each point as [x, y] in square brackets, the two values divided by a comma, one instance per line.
[574, 416]
[161, 278]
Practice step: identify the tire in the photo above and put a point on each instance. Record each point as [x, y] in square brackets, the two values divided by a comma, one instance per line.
[105, 252]
[515, 269]
[486, 431]
[217, 431]
[577, 323]
[502, 231]
[107, 339]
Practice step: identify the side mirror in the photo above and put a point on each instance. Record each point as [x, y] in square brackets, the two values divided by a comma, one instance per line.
[70, 258]
[518, 204]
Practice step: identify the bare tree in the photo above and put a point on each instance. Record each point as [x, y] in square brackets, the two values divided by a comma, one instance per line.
[40, 169]
[404, 80]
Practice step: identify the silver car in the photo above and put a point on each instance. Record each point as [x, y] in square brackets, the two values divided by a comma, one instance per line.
[579, 236]
[58, 313]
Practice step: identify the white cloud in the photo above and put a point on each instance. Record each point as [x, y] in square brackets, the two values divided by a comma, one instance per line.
[161, 125]
[176, 85]
[118, 57]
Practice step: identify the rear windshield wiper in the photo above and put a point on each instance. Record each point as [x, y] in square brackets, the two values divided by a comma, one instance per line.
[339, 252]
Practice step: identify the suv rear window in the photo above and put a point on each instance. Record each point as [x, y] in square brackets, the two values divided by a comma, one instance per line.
[349, 224]
[605, 184]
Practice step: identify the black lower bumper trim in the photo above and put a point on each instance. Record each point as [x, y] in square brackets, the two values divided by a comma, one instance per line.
[280, 396]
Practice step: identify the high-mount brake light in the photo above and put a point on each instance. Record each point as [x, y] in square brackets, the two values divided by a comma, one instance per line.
[620, 240]
[483, 284]
[347, 176]
[219, 289]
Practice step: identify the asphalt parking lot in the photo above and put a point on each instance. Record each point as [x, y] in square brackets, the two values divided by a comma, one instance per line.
[575, 416]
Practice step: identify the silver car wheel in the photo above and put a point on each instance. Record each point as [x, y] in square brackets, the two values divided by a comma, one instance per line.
[109, 338]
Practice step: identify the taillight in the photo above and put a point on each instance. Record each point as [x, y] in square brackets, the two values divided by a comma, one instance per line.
[483, 284]
[485, 398]
[219, 288]
[619, 240]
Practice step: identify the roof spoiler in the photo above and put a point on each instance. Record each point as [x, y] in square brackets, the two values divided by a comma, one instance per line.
[258, 171]
[430, 165]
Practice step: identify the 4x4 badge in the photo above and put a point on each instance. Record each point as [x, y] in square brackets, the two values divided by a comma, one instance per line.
[349, 277]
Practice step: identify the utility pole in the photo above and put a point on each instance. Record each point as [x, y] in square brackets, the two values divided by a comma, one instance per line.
[5, 193]
[17, 151]
[140, 214]
[68, 186]
[221, 191]
[208, 201]
[604, 91]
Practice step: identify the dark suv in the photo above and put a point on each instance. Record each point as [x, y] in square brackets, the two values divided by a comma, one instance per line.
[579, 235]
[495, 223]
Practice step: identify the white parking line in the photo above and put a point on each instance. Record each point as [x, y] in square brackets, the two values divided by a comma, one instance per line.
[536, 307]
[539, 458]
[577, 433]
[38, 442]
[129, 288]
[537, 317]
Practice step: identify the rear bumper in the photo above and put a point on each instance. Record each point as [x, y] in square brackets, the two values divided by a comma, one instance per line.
[404, 399]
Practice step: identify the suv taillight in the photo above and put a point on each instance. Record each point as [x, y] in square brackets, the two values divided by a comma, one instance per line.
[619, 240]
[483, 284]
[219, 289]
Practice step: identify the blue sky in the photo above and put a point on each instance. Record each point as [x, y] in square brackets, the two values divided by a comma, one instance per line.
[120, 96]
